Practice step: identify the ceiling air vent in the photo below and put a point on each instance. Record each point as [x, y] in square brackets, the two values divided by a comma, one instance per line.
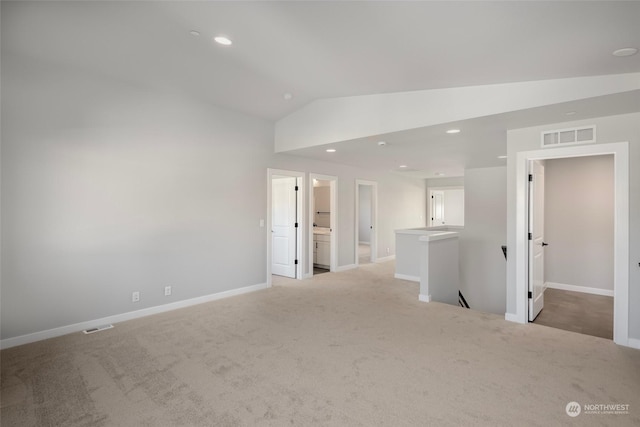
[571, 136]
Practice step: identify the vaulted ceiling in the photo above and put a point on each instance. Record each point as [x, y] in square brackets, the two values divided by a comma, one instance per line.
[320, 50]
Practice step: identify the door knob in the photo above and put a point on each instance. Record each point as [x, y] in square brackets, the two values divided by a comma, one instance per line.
[544, 244]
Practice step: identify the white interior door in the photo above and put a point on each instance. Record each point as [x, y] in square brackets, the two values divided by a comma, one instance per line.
[536, 239]
[437, 207]
[283, 227]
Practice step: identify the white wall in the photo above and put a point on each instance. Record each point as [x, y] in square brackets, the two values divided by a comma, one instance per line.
[364, 220]
[397, 209]
[482, 264]
[454, 207]
[619, 128]
[579, 221]
[453, 181]
[110, 187]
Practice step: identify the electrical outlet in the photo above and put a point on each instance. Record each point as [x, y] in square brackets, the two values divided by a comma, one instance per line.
[135, 297]
[167, 291]
[388, 251]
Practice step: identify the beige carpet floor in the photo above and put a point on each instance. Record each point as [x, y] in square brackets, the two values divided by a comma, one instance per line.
[342, 349]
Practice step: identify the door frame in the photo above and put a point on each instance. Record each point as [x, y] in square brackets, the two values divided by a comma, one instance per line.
[333, 201]
[620, 152]
[299, 218]
[373, 244]
[534, 222]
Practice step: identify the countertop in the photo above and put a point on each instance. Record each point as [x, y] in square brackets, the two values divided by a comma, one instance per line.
[426, 235]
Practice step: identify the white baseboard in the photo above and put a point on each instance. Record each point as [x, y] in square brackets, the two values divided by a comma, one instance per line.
[77, 327]
[633, 343]
[386, 258]
[346, 267]
[424, 298]
[407, 277]
[510, 317]
[583, 289]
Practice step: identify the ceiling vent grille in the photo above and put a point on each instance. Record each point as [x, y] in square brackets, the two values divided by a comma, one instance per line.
[571, 136]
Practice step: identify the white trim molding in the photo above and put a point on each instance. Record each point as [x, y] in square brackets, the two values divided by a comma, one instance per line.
[407, 277]
[346, 267]
[424, 298]
[620, 151]
[583, 289]
[386, 258]
[78, 327]
[510, 317]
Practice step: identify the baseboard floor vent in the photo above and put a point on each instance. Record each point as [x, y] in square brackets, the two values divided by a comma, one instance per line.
[570, 136]
[97, 329]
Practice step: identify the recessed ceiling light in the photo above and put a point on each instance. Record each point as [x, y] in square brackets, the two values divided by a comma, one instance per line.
[222, 40]
[403, 166]
[502, 157]
[453, 131]
[287, 96]
[438, 174]
[331, 150]
[194, 33]
[627, 51]
[382, 143]
[570, 113]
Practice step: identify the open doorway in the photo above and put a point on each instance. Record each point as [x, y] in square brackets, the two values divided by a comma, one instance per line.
[365, 227]
[285, 195]
[577, 223]
[322, 217]
[446, 206]
[620, 152]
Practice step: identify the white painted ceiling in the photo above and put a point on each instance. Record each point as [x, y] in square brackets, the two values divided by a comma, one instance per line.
[430, 152]
[319, 50]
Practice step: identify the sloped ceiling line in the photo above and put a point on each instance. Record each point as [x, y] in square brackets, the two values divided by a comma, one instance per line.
[342, 119]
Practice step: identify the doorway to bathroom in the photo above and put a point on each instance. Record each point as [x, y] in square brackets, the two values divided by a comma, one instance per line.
[322, 216]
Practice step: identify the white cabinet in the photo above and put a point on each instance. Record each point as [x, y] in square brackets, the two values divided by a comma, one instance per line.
[323, 253]
[322, 250]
